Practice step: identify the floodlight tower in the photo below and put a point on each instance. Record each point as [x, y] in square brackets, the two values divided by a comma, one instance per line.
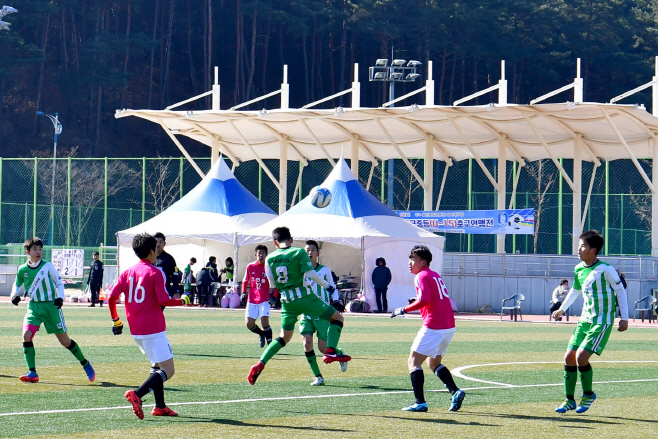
[6, 10]
[58, 130]
[396, 72]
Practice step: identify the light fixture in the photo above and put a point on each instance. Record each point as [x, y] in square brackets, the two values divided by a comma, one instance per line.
[188, 114]
[381, 62]
[380, 76]
[414, 63]
[262, 113]
[571, 105]
[397, 76]
[398, 62]
[412, 108]
[412, 76]
[337, 111]
[490, 107]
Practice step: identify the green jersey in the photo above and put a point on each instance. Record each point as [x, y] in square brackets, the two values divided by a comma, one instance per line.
[600, 286]
[187, 279]
[41, 282]
[318, 290]
[286, 266]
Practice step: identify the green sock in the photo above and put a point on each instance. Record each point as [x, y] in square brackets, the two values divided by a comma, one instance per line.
[313, 362]
[77, 352]
[29, 354]
[586, 377]
[570, 380]
[333, 335]
[272, 349]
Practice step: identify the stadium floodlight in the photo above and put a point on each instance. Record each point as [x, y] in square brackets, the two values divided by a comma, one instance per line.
[380, 76]
[8, 10]
[397, 76]
[412, 76]
[58, 130]
[398, 62]
[414, 63]
[381, 62]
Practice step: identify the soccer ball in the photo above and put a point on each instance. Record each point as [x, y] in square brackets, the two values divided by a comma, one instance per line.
[515, 221]
[320, 197]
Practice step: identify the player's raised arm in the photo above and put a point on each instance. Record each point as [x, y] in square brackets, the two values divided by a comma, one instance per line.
[318, 279]
[17, 291]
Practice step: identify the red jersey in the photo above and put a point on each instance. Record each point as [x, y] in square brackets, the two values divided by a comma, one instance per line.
[144, 289]
[259, 285]
[432, 300]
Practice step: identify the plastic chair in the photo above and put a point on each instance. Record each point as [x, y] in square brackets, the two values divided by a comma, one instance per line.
[515, 309]
[645, 304]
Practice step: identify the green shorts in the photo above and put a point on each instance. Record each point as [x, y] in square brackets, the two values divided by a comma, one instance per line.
[309, 325]
[591, 337]
[46, 313]
[310, 305]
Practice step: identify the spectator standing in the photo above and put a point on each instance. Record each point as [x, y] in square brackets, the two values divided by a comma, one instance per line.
[188, 278]
[95, 279]
[228, 269]
[167, 264]
[381, 277]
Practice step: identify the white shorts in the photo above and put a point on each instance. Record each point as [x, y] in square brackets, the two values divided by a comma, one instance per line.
[155, 346]
[432, 342]
[255, 310]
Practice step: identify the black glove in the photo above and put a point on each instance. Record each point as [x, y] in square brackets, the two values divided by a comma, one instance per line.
[59, 302]
[16, 299]
[331, 289]
[412, 300]
[272, 300]
[398, 312]
[338, 306]
[117, 328]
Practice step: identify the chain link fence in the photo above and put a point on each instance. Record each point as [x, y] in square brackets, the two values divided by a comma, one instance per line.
[95, 198]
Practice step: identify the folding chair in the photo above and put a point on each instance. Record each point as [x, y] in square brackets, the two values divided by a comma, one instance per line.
[645, 304]
[515, 309]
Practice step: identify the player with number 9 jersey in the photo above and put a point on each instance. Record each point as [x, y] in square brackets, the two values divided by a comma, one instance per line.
[144, 287]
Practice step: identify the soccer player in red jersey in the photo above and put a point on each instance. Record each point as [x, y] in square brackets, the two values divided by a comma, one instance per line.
[436, 333]
[258, 300]
[144, 288]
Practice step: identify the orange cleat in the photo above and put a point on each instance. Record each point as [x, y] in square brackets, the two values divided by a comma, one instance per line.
[254, 372]
[163, 412]
[136, 402]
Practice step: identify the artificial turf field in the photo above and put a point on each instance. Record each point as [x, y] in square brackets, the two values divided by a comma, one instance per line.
[214, 351]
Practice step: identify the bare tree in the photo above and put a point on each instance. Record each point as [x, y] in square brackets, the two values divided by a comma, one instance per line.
[544, 179]
[163, 183]
[642, 208]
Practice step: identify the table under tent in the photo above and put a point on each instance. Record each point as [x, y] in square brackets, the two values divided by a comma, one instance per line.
[353, 231]
[203, 223]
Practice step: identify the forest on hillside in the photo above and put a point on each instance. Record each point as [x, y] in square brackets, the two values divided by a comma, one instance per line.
[86, 58]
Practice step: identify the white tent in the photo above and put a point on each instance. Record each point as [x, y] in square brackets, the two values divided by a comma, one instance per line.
[203, 223]
[354, 230]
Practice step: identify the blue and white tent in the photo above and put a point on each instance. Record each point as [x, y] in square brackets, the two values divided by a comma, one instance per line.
[205, 222]
[354, 230]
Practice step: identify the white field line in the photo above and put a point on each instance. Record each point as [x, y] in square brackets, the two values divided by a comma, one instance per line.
[456, 372]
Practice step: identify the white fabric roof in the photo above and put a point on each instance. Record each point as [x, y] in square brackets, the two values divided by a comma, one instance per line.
[452, 128]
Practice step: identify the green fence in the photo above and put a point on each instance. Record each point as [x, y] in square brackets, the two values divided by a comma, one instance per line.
[95, 198]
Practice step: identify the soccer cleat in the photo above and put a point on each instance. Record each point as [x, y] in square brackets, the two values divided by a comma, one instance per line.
[415, 407]
[254, 372]
[262, 340]
[457, 400]
[30, 377]
[318, 381]
[568, 404]
[585, 403]
[91, 374]
[163, 412]
[136, 402]
[330, 357]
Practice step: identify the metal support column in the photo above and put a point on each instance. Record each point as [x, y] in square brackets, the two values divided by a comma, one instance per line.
[559, 210]
[214, 151]
[105, 207]
[577, 207]
[143, 188]
[354, 161]
[34, 200]
[606, 235]
[180, 178]
[469, 237]
[654, 199]
[428, 176]
[68, 202]
[283, 176]
[502, 189]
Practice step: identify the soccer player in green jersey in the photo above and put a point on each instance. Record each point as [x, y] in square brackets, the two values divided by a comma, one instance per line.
[285, 268]
[309, 325]
[600, 286]
[41, 281]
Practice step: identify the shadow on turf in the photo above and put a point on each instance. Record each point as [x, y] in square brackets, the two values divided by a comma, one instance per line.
[235, 423]
[436, 421]
[576, 419]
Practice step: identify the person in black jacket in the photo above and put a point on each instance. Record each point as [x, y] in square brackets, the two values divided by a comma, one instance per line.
[381, 277]
[95, 279]
[167, 264]
[204, 278]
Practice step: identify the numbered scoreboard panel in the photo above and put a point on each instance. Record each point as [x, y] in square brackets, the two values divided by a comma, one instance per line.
[69, 262]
